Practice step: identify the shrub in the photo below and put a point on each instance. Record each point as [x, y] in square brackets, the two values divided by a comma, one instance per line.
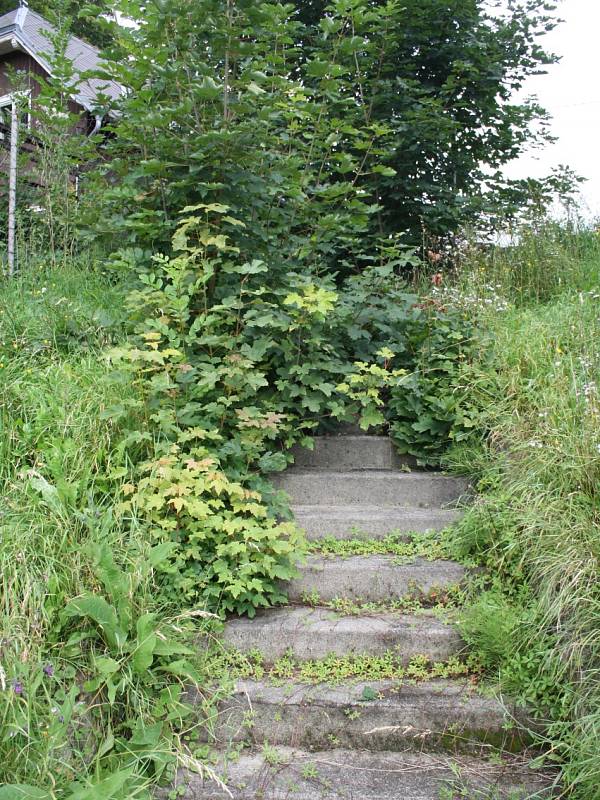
[430, 409]
[92, 659]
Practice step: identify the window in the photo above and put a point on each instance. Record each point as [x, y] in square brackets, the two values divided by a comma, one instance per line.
[6, 112]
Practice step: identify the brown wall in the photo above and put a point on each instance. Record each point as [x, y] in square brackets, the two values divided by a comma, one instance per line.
[21, 62]
[24, 63]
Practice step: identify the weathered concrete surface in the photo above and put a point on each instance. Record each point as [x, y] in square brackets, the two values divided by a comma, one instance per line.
[434, 715]
[346, 453]
[312, 633]
[371, 578]
[370, 487]
[370, 522]
[284, 774]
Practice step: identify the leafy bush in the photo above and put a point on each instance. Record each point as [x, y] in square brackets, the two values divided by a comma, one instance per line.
[92, 660]
[325, 134]
[234, 362]
[430, 409]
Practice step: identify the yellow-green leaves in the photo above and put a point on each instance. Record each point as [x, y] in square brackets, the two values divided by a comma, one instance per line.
[312, 299]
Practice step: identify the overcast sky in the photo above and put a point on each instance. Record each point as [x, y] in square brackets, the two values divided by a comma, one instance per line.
[571, 93]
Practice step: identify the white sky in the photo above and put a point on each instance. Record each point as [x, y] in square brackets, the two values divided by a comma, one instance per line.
[571, 93]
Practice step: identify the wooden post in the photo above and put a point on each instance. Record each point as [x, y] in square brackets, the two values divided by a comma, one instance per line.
[12, 184]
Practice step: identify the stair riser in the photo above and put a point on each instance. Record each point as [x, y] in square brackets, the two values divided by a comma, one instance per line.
[358, 526]
[347, 453]
[345, 637]
[371, 580]
[370, 488]
[433, 723]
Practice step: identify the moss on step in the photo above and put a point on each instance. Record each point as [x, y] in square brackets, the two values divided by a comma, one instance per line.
[335, 669]
[430, 545]
[438, 600]
[405, 546]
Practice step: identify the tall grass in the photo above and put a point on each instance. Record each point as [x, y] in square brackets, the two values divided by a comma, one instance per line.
[537, 521]
[54, 439]
[535, 262]
[58, 445]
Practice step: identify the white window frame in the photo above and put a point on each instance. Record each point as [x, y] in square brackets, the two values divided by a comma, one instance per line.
[6, 101]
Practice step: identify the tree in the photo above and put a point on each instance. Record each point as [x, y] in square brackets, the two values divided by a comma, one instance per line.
[445, 84]
[220, 109]
[326, 127]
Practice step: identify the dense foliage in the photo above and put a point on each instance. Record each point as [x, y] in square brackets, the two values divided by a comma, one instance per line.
[260, 193]
[323, 131]
[231, 372]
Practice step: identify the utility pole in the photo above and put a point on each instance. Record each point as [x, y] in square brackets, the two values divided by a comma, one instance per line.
[12, 183]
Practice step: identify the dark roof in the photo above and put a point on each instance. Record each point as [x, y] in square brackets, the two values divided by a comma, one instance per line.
[28, 30]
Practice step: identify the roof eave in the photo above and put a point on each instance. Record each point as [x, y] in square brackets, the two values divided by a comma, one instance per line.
[14, 33]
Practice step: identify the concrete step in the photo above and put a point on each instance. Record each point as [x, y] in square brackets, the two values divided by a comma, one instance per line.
[347, 453]
[370, 487]
[433, 715]
[370, 522]
[283, 773]
[371, 579]
[314, 633]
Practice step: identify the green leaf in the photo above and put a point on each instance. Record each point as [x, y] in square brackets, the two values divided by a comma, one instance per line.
[106, 666]
[22, 791]
[370, 417]
[255, 89]
[159, 554]
[380, 169]
[146, 642]
[106, 745]
[108, 789]
[318, 69]
[368, 694]
[104, 615]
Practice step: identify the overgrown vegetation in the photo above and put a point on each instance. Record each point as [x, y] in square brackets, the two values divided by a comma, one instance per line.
[253, 284]
[92, 661]
[535, 524]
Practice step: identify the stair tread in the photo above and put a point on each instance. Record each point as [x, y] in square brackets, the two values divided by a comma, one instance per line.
[352, 452]
[368, 511]
[399, 474]
[284, 773]
[314, 633]
[374, 578]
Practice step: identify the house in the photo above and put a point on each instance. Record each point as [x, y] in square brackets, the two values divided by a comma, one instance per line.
[25, 48]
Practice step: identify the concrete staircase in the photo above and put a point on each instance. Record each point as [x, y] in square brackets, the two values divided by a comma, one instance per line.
[364, 740]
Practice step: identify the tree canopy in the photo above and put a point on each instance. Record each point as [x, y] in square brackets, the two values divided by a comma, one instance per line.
[328, 126]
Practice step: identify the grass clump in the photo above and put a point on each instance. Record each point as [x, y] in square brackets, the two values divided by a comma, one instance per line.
[536, 524]
[92, 661]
